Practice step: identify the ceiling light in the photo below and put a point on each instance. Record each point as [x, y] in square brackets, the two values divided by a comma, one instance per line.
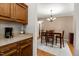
[52, 17]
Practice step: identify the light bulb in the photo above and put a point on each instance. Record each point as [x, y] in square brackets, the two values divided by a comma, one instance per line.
[54, 18]
[48, 19]
[51, 18]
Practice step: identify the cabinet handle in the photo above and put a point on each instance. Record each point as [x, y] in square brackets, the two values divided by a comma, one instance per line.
[1, 54]
[9, 53]
[4, 50]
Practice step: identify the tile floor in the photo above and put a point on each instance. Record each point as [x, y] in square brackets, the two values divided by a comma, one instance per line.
[56, 50]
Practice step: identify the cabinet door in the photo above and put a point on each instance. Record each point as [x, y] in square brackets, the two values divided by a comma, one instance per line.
[27, 50]
[26, 47]
[5, 9]
[20, 13]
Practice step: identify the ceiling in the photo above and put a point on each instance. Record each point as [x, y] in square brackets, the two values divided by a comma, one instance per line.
[58, 9]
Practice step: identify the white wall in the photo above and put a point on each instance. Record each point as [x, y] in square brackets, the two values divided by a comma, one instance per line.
[38, 30]
[76, 26]
[61, 23]
[32, 24]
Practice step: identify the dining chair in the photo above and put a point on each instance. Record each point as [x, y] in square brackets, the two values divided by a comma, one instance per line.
[49, 35]
[61, 37]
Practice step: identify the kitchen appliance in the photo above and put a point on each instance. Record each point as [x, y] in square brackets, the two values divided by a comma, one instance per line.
[8, 32]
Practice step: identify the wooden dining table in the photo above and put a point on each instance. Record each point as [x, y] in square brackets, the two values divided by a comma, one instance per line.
[55, 34]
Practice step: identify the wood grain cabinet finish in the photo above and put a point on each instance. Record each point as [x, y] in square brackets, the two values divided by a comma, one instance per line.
[4, 10]
[13, 12]
[9, 50]
[17, 12]
[20, 13]
[21, 48]
[26, 49]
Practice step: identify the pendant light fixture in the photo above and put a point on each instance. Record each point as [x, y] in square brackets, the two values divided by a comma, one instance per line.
[51, 18]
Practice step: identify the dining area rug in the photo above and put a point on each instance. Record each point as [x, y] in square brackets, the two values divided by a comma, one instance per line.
[56, 50]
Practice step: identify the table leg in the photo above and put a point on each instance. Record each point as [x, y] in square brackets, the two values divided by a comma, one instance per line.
[63, 42]
[60, 43]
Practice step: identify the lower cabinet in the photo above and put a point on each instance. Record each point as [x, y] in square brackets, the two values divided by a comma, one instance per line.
[27, 50]
[21, 48]
[9, 50]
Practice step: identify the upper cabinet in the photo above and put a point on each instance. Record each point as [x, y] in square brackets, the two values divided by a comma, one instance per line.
[17, 12]
[4, 10]
[21, 13]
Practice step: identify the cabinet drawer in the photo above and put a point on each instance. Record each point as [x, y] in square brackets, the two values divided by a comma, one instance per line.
[10, 53]
[8, 49]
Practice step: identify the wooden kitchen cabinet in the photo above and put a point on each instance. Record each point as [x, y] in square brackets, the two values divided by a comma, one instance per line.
[26, 49]
[9, 50]
[4, 10]
[21, 48]
[13, 12]
[21, 13]
[17, 12]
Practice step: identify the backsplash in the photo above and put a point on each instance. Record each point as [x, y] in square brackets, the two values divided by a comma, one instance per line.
[16, 27]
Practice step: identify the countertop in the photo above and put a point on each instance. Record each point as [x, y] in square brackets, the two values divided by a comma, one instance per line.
[5, 41]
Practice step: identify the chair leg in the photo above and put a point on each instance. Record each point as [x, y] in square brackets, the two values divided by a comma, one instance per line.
[46, 40]
[41, 40]
[56, 41]
[63, 42]
[52, 42]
